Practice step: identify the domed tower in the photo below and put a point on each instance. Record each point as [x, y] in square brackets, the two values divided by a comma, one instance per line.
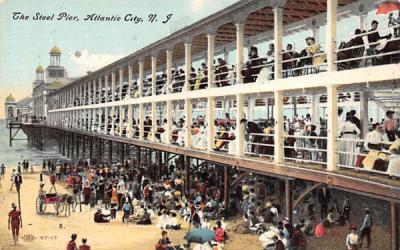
[10, 106]
[55, 56]
[39, 73]
[55, 71]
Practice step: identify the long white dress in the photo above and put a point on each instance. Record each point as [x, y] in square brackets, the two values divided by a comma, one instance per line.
[232, 143]
[349, 132]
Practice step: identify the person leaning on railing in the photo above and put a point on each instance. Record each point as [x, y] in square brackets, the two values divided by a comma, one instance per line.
[394, 159]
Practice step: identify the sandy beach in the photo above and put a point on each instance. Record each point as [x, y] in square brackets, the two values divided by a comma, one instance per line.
[47, 233]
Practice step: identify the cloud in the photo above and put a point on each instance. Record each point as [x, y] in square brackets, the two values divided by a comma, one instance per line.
[90, 62]
[198, 5]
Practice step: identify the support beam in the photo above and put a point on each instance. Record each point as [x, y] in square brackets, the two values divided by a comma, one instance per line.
[141, 121]
[364, 113]
[141, 78]
[110, 151]
[168, 131]
[154, 120]
[113, 86]
[187, 174]
[289, 199]
[394, 235]
[130, 80]
[226, 186]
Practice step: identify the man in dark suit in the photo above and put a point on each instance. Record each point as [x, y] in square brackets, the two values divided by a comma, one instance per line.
[324, 197]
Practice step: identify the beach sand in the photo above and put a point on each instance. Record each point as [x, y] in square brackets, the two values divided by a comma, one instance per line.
[116, 235]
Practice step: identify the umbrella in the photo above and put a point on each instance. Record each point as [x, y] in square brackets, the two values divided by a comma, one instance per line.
[200, 235]
[387, 7]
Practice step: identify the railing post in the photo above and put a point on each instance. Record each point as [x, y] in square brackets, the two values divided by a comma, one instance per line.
[331, 35]
[210, 123]
[100, 89]
[278, 28]
[94, 92]
[278, 128]
[90, 97]
[332, 128]
[106, 122]
[239, 126]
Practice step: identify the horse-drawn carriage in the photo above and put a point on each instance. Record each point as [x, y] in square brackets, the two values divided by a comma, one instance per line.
[61, 202]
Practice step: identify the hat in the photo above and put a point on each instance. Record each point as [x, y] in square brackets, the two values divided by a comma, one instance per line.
[286, 220]
[13, 205]
[269, 204]
[389, 112]
[353, 227]
[310, 38]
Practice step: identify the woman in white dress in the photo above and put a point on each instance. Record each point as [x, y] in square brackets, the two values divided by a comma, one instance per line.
[394, 159]
[232, 143]
[352, 239]
[349, 132]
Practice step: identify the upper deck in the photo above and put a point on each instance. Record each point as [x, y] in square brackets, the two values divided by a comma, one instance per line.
[153, 98]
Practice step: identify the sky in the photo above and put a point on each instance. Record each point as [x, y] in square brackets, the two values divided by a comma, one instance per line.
[25, 44]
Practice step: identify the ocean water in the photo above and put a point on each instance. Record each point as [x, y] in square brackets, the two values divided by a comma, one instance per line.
[22, 150]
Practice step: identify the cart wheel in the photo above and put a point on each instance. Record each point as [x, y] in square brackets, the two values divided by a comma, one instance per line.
[40, 205]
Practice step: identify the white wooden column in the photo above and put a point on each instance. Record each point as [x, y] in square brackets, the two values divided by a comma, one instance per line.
[330, 39]
[315, 115]
[94, 91]
[106, 88]
[154, 120]
[169, 71]
[90, 97]
[112, 86]
[141, 78]
[239, 51]
[188, 65]
[141, 121]
[278, 29]
[362, 22]
[100, 89]
[121, 82]
[121, 119]
[106, 121]
[130, 74]
[153, 75]
[210, 58]
[168, 131]
[240, 143]
[112, 120]
[278, 128]
[364, 113]
[84, 94]
[210, 123]
[100, 119]
[188, 122]
[130, 121]
[332, 128]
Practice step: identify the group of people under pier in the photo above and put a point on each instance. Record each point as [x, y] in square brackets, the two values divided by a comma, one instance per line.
[141, 194]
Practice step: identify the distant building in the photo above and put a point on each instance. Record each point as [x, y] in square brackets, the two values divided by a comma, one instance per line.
[11, 111]
[44, 84]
